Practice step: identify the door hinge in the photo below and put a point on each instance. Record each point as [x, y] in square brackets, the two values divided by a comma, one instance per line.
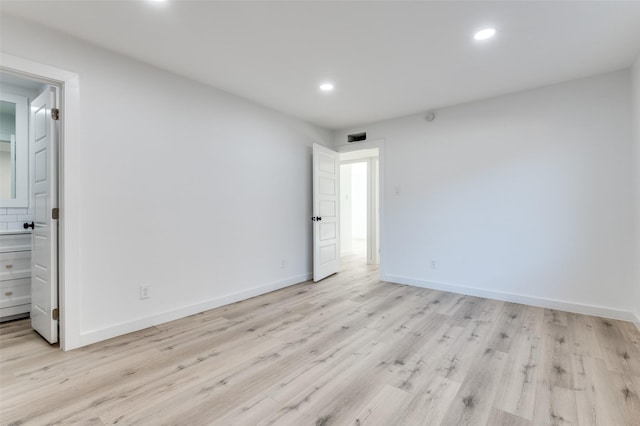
[55, 114]
[55, 314]
[55, 213]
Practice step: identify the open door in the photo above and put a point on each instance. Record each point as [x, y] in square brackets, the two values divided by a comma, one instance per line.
[44, 196]
[326, 188]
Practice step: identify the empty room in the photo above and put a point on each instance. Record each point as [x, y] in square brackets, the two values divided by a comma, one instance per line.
[320, 212]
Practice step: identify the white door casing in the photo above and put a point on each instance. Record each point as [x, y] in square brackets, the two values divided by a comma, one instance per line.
[373, 219]
[44, 257]
[326, 212]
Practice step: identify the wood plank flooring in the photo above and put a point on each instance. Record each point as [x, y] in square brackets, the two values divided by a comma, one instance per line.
[350, 350]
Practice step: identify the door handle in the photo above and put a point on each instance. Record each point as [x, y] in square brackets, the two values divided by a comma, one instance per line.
[28, 225]
[316, 218]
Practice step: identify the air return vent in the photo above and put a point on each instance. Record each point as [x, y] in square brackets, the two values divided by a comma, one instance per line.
[357, 137]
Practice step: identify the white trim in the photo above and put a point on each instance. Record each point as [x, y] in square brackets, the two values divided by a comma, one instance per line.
[355, 156]
[636, 320]
[69, 260]
[577, 308]
[359, 146]
[373, 220]
[93, 336]
[355, 161]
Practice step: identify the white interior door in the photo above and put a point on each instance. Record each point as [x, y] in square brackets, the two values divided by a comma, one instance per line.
[44, 257]
[326, 191]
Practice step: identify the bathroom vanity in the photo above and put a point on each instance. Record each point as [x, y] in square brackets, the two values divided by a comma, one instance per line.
[15, 274]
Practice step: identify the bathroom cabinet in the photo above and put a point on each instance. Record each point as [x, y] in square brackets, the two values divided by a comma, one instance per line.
[15, 275]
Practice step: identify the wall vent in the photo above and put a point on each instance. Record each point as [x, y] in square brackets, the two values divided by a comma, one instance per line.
[357, 137]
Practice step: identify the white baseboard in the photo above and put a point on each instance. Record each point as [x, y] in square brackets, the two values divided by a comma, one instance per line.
[636, 321]
[517, 298]
[93, 336]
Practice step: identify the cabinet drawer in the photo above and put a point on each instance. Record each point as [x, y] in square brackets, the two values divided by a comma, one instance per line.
[15, 292]
[15, 242]
[15, 265]
[15, 312]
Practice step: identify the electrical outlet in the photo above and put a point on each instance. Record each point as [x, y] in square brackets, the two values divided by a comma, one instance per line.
[283, 264]
[434, 264]
[144, 292]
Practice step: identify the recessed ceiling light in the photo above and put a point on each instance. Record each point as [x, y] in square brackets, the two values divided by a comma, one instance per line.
[485, 34]
[326, 87]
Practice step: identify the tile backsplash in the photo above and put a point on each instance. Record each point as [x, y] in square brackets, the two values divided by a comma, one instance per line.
[12, 219]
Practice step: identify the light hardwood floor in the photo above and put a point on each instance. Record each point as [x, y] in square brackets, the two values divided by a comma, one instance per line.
[350, 350]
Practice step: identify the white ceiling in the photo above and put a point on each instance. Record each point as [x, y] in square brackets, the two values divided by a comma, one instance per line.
[387, 59]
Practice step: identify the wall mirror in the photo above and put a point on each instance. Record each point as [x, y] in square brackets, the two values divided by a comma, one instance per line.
[14, 150]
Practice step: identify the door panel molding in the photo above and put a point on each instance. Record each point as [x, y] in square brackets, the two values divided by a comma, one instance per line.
[326, 211]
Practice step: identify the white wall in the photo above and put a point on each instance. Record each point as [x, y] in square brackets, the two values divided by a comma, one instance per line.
[191, 190]
[523, 197]
[346, 240]
[359, 201]
[353, 204]
[635, 75]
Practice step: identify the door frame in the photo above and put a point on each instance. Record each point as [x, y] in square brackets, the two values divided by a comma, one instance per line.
[359, 146]
[373, 193]
[68, 187]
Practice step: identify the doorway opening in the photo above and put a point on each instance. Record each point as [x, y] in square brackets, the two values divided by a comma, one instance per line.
[359, 207]
[336, 199]
[29, 209]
